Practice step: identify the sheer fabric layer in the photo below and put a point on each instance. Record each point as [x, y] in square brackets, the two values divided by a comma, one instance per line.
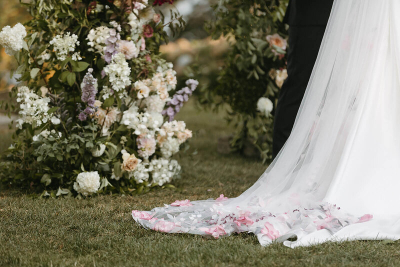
[344, 148]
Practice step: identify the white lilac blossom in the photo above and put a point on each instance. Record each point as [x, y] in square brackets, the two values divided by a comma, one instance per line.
[155, 120]
[164, 170]
[118, 72]
[12, 39]
[141, 173]
[64, 44]
[265, 106]
[177, 101]
[154, 103]
[97, 39]
[33, 108]
[87, 183]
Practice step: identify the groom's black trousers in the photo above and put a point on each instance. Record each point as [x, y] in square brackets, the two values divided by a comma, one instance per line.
[304, 44]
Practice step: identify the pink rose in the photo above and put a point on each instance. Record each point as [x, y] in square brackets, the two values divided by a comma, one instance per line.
[148, 31]
[163, 226]
[222, 198]
[365, 218]
[182, 203]
[270, 231]
[215, 231]
[142, 215]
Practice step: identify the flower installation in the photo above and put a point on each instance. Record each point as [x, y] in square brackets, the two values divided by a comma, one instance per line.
[96, 101]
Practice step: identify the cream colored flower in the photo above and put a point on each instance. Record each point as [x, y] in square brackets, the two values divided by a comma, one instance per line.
[106, 117]
[163, 93]
[128, 48]
[276, 40]
[265, 106]
[130, 161]
[281, 76]
[184, 136]
[44, 90]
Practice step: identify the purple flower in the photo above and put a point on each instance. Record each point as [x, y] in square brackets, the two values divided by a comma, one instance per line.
[170, 111]
[174, 101]
[89, 88]
[82, 116]
[185, 98]
[177, 108]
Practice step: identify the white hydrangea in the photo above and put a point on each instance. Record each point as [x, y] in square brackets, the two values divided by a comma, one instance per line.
[173, 128]
[170, 147]
[97, 39]
[87, 183]
[170, 77]
[141, 173]
[155, 120]
[64, 44]
[136, 25]
[118, 72]
[164, 170]
[33, 108]
[265, 106]
[154, 103]
[12, 38]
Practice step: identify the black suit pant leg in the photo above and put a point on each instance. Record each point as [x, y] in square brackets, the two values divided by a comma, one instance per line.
[304, 44]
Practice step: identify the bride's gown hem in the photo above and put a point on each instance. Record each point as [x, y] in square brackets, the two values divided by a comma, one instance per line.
[338, 175]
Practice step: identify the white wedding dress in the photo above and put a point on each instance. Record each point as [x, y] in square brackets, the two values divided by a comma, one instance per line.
[344, 150]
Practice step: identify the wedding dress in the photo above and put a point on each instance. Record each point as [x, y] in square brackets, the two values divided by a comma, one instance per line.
[338, 176]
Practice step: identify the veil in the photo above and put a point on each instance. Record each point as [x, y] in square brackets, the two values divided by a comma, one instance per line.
[296, 195]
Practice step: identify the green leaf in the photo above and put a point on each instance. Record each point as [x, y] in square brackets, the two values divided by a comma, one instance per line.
[117, 169]
[109, 102]
[79, 66]
[71, 78]
[34, 72]
[25, 46]
[63, 76]
[46, 179]
[62, 191]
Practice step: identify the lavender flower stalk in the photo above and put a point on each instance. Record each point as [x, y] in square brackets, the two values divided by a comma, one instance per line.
[111, 42]
[89, 91]
[180, 97]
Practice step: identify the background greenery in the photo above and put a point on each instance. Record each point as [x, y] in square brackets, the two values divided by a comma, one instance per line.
[101, 232]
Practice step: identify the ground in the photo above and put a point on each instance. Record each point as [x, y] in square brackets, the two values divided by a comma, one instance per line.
[100, 231]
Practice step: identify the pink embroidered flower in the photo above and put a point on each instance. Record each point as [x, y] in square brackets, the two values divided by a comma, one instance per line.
[215, 231]
[163, 226]
[222, 198]
[270, 231]
[182, 203]
[141, 215]
[365, 218]
[244, 219]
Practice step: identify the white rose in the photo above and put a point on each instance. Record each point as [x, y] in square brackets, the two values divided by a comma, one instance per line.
[98, 152]
[87, 183]
[265, 105]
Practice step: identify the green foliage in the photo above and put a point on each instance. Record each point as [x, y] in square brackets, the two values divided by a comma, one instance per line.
[51, 164]
[250, 67]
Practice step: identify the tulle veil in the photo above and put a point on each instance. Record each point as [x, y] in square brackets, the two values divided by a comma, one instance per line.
[294, 196]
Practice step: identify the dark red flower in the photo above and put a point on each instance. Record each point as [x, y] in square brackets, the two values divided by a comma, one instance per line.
[91, 7]
[148, 31]
[162, 2]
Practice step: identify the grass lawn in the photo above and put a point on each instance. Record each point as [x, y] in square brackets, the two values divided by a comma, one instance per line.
[99, 231]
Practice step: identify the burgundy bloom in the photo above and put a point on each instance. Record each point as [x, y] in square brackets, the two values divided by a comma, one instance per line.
[91, 7]
[162, 2]
[148, 31]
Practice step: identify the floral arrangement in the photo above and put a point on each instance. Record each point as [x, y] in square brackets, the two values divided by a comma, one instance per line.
[96, 101]
[254, 69]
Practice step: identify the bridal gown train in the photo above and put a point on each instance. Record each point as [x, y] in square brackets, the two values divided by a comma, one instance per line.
[338, 176]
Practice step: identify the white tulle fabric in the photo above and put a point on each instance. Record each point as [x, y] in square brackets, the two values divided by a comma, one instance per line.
[344, 150]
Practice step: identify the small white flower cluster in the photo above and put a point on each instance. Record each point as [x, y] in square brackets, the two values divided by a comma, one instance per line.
[87, 183]
[33, 108]
[118, 72]
[265, 106]
[12, 38]
[170, 147]
[63, 44]
[154, 103]
[163, 170]
[97, 39]
[171, 136]
[138, 121]
[45, 134]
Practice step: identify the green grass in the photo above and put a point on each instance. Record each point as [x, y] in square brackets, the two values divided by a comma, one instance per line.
[100, 231]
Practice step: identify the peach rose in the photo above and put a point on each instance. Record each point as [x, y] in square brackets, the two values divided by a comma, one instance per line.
[276, 40]
[130, 162]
